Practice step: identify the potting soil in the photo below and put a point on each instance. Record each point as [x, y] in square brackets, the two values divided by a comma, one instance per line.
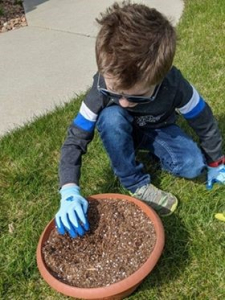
[120, 240]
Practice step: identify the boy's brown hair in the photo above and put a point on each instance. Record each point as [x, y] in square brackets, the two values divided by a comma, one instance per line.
[135, 43]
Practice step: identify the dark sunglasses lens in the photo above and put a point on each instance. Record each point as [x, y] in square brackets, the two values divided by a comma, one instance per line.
[111, 95]
[117, 97]
[138, 99]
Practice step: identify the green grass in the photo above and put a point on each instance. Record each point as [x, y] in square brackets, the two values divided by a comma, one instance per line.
[192, 265]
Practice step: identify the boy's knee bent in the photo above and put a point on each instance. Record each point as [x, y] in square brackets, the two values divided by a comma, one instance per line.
[191, 170]
[189, 164]
[113, 116]
[191, 167]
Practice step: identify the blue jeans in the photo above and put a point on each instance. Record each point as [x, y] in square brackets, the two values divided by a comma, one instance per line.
[177, 152]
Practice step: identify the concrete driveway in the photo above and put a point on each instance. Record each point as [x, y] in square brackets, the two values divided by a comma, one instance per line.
[53, 59]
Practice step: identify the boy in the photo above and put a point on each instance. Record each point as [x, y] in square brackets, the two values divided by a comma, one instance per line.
[133, 102]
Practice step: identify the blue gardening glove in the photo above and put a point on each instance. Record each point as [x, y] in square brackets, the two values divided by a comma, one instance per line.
[215, 174]
[71, 216]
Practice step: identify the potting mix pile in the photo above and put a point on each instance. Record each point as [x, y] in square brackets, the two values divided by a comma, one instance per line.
[120, 240]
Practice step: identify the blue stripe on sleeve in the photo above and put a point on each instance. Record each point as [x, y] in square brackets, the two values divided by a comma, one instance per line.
[196, 110]
[83, 123]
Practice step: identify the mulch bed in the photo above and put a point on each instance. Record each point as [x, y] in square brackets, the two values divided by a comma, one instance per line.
[120, 240]
[12, 15]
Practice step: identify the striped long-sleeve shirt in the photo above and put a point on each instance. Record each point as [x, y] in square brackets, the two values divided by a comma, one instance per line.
[176, 96]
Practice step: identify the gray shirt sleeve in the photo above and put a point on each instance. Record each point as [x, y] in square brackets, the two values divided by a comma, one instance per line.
[80, 134]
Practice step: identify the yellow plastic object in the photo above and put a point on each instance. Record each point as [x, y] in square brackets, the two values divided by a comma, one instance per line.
[220, 216]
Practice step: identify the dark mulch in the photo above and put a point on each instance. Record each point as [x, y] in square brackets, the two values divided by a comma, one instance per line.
[12, 15]
[120, 240]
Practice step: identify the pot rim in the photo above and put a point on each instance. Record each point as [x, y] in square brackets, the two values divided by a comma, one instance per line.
[116, 288]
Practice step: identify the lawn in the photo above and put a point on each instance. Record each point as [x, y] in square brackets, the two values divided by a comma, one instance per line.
[192, 265]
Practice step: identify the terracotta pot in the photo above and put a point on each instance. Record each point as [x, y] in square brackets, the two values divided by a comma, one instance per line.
[115, 291]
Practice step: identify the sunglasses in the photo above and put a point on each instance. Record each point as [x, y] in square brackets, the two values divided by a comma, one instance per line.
[134, 99]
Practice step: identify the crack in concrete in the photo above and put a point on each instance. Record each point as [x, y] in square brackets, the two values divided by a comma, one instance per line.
[64, 31]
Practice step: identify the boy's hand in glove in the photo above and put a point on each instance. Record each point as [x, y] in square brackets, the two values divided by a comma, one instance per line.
[215, 174]
[71, 216]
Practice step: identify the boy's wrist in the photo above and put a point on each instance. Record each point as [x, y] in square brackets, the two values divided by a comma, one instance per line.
[69, 185]
[68, 189]
[217, 163]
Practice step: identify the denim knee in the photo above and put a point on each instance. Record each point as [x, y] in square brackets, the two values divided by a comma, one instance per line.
[191, 167]
[113, 117]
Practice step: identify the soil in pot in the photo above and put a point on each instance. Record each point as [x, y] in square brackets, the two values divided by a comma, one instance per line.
[120, 240]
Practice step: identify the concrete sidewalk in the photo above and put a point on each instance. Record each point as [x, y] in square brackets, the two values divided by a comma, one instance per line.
[53, 59]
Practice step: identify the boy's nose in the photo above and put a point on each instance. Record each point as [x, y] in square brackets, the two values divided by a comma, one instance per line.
[124, 102]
